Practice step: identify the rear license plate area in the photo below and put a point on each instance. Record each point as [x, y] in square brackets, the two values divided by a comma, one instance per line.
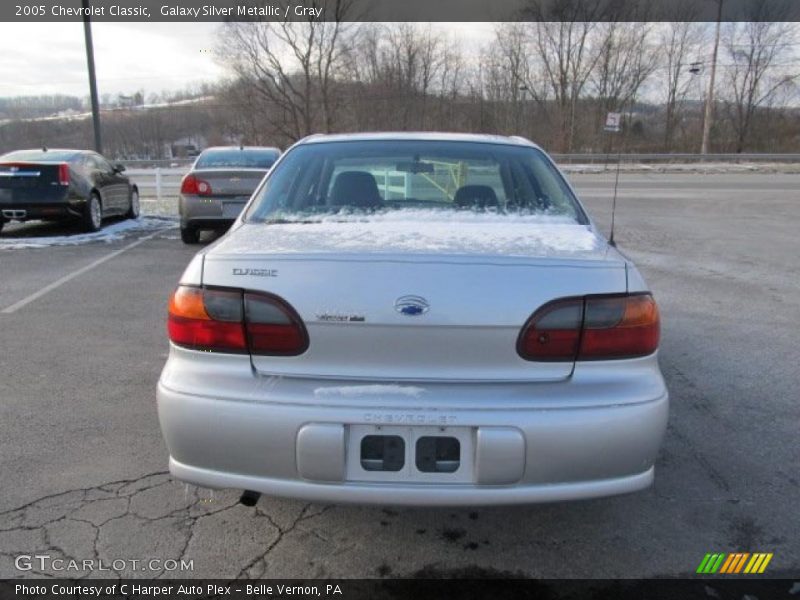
[232, 209]
[383, 453]
[410, 454]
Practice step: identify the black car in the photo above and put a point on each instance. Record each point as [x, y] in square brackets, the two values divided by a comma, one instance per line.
[58, 185]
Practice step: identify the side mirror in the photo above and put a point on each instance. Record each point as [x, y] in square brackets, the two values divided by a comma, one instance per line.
[119, 167]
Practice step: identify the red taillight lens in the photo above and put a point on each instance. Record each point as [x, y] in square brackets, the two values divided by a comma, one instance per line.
[592, 328]
[553, 332]
[194, 186]
[620, 327]
[273, 327]
[63, 174]
[224, 320]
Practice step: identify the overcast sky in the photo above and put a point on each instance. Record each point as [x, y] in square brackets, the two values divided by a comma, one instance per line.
[49, 58]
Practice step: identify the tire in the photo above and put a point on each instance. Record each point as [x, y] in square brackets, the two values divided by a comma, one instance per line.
[133, 211]
[190, 235]
[93, 213]
[1, 224]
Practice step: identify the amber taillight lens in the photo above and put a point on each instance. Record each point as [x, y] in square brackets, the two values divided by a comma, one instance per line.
[235, 322]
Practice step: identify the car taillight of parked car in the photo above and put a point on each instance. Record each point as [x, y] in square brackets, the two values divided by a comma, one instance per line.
[602, 327]
[195, 186]
[63, 174]
[234, 321]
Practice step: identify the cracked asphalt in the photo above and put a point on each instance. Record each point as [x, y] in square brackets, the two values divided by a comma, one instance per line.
[82, 463]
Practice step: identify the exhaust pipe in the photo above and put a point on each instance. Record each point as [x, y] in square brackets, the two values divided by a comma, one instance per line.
[249, 498]
[15, 214]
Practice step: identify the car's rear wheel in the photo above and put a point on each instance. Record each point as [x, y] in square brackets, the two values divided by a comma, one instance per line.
[190, 235]
[133, 211]
[93, 213]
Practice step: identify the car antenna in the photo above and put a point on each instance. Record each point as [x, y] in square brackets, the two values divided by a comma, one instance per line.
[614, 125]
[614, 200]
[44, 148]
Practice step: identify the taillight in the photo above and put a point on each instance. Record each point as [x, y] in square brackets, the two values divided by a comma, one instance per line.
[592, 328]
[63, 174]
[620, 327]
[232, 321]
[553, 332]
[205, 319]
[273, 327]
[197, 187]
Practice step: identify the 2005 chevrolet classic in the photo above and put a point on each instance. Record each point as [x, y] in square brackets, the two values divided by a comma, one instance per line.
[420, 319]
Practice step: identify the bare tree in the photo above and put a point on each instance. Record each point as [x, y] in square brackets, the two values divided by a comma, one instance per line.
[508, 73]
[292, 65]
[755, 75]
[679, 42]
[562, 38]
[626, 59]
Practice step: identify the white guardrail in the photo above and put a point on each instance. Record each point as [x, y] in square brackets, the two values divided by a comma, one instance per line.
[667, 158]
[161, 179]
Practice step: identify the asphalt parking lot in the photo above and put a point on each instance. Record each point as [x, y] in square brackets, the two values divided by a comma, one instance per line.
[82, 462]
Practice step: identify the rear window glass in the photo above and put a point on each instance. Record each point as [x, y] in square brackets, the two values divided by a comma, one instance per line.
[374, 176]
[50, 155]
[247, 158]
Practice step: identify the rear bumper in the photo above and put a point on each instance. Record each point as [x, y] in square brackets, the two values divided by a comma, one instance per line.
[211, 213]
[527, 443]
[22, 211]
[417, 494]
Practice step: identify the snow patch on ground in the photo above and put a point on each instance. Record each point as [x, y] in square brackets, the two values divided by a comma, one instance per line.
[352, 391]
[420, 231]
[109, 233]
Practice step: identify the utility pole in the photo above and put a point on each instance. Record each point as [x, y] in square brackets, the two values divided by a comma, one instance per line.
[87, 33]
[710, 96]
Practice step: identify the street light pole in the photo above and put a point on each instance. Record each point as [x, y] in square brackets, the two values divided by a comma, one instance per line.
[710, 96]
[87, 33]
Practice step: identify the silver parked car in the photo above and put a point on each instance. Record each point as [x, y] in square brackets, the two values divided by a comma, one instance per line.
[219, 184]
[421, 319]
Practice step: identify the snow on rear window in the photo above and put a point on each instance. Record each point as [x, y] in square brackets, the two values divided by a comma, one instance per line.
[422, 231]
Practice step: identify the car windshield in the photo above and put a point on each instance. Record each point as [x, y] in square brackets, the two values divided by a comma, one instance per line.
[376, 176]
[41, 155]
[246, 158]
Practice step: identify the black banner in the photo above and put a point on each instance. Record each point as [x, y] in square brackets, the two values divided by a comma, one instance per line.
[418, 589]
[396, 10]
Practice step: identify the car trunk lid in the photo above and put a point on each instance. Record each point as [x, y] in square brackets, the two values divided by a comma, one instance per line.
[32, 181]
[236, 183]
[411, 316]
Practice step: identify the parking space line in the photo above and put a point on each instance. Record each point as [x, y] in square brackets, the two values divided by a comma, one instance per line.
[70, 276]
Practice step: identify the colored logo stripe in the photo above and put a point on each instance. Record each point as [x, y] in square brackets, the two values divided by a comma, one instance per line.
[710, 563]
[734, 563]
[758, 563]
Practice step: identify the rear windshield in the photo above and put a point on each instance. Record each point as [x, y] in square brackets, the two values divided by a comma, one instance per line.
[40, 155]
[376, 176]
[247, 158]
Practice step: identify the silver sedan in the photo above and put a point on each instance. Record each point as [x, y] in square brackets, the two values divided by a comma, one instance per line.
[218, 185]
[418, 319]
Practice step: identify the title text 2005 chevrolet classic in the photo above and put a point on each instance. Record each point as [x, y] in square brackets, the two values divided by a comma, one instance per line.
[421, 319]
